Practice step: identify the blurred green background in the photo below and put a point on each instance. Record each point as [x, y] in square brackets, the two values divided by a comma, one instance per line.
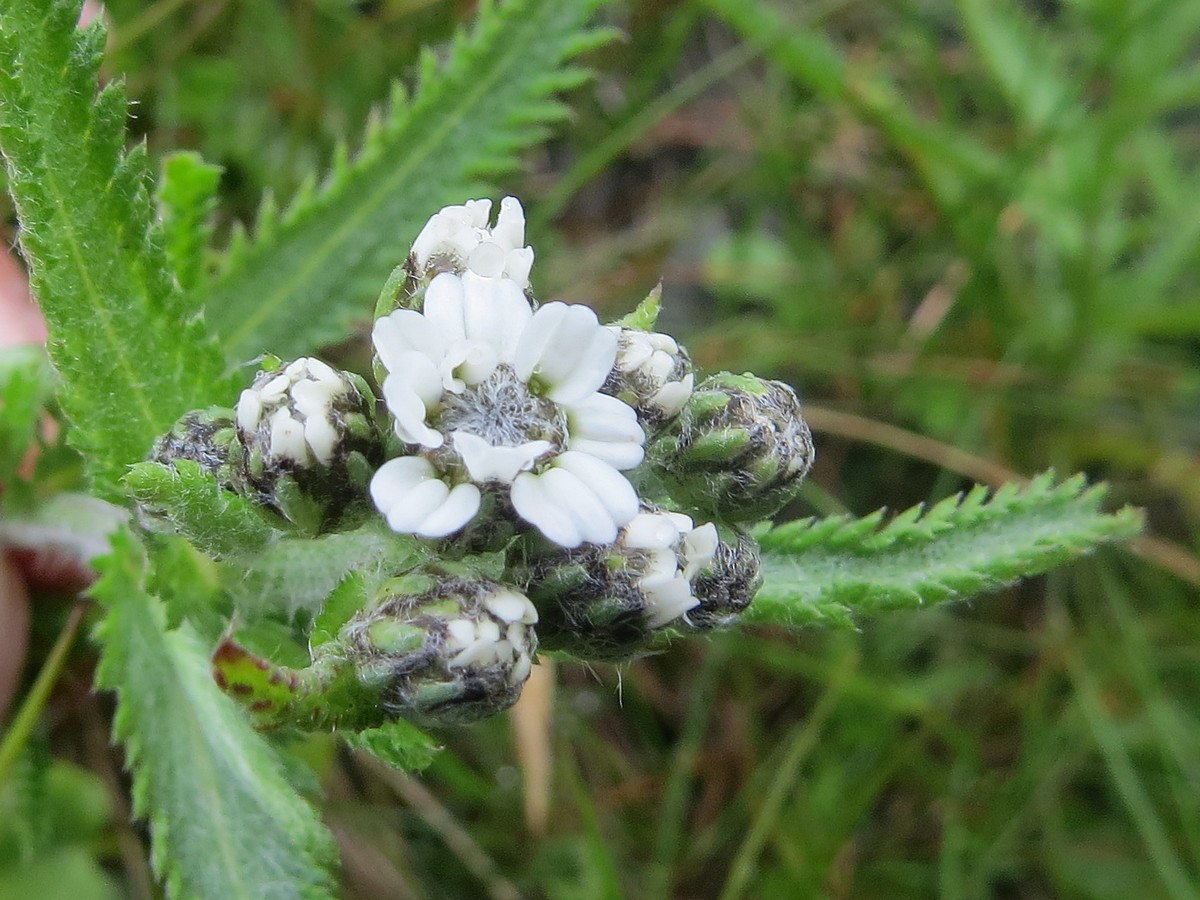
[969, 234]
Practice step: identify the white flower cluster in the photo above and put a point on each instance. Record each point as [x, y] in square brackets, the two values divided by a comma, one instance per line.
[670, 553]
[495, 396]
[292, 412]
[502, 638]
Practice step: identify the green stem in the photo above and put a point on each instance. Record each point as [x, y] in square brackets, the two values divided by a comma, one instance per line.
[31, 710]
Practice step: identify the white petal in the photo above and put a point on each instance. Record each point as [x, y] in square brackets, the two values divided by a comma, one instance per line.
[536, 337]
[287, 438]
[618, 455]
[574, 328]
[321, 437]
[699, 547]
[478, 212]
[408, 411]
[418, 372]
[588, 370]
[520, 670]
[402, 330]
[460, 633]
[591, 517]
[610, 486]
[518, 265]
[511, 607]
[510, 224]
[668, 602]
[249, 410]
[419, 504]
[395, 478]
[495, 311]
[456, 510]
[487, 260]
[444, 307]
[485, 462]
[604, 418]
[322, 371]
[538, 507]
[467, 362]
[296, 368]
[673, 396]
[650, 531]
[275, 388]
[314, 398]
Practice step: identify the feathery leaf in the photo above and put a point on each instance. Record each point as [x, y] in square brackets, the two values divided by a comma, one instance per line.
[833, 570]
[311, 271]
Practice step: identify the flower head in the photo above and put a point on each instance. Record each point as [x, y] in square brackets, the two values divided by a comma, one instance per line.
[653, 373]
[493, 396]
[458, 239]
[606, 602]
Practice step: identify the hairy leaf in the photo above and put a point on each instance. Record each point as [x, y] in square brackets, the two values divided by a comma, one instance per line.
[130, 359]
[313, 269]
[215, 519]
[832, 570]
[187, 198]
[296, 574]
[224, 821]
[400, 744]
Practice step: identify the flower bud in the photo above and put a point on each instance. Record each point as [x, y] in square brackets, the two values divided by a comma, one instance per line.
[203, 436]
[458, 239]
[454, 652]
[607, 601]
[307, 439]
[741, 450]
[727, 583]
[653, 374]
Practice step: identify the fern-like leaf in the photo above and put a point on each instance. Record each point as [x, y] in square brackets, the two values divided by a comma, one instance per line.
[225, 823]
[131, 361]
[833, 570]
[187, 198]
[313, 269]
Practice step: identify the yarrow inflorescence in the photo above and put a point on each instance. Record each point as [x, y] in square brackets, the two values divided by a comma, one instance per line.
[570, 476]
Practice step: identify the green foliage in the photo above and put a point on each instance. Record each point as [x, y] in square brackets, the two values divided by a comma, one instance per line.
[216, 520]
[225, 822]
[130, 358]
[187, 199]
[399, 744]
[835, 569]
[312, 269]
[24, 386]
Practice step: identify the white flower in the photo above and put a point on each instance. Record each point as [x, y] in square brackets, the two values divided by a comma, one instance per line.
[670, 554]
[652, 371]
[458, 238]
[497, 397]
[290, 414]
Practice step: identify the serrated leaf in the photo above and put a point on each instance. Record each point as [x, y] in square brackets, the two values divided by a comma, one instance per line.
[835, 570]
[215, 519]
[224, 821]
[187, 198]
[399, 744]
[305, 279]
[131, 360]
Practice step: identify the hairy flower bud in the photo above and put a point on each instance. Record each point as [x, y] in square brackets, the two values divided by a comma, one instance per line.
[741, 450]
[652, 373]
[458, 239]
[203, 436]
[454, 652]
[307, 439]
[607, 601]
[727, 583]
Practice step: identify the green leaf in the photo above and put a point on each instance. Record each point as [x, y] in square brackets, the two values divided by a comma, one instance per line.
[297, 574]
[314, 269]
[224, 821]
[130, 358]
[187, 198]
[24, 386]
[399, 744]
[186, 496]
[832, 570]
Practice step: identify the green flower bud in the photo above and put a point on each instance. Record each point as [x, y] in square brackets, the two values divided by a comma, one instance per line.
[307, 440]
[455, 652]
[606, 602]
[652, 373]
[740, 451]
[727, 583]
